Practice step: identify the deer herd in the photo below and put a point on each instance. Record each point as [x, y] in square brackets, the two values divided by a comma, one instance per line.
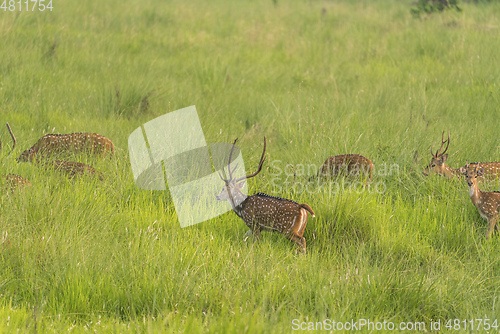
[51, 146]
[261, 212]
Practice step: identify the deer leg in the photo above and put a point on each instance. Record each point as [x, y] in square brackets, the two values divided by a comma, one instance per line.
[300, 228]
[368, 180]
[300, 241]
[247, 235]
[491, 226]
[256, 233]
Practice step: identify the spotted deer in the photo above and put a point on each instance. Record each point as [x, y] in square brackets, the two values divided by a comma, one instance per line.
[262, 212]
[349, 165]
[491, 170]
[72, 169]
[486, 202]
[14, 181]
[53, 144]
[437, 164]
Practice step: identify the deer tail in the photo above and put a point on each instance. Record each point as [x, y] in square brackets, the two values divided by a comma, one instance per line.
[308, 208]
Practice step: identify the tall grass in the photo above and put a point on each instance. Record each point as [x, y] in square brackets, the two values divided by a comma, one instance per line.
[317, 78]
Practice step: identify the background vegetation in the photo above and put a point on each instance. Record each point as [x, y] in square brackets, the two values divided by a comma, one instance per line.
[317, 78]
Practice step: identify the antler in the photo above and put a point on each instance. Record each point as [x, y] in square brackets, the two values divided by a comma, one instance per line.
[13, 139]
[438, 154]
[262, 158]
[448, 140]
[229, 165]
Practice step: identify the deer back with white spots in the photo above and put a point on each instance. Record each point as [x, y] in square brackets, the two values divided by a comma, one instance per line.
[16, 182]
[486, 202]
[73, 169]
[262, 212]
[349, 165]
[54, 144]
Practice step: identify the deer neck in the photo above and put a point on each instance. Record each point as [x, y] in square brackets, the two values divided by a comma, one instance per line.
[450, 172]
[475, 193]
[236, 198]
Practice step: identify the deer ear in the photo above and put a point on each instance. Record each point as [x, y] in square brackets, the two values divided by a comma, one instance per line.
[480, 171]
[444, 157]
[463, 171]
[241, 184]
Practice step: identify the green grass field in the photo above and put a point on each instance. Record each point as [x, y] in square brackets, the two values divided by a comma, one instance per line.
[317, 78]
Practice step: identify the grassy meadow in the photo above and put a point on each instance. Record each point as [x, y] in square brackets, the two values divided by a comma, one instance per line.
[317, 78]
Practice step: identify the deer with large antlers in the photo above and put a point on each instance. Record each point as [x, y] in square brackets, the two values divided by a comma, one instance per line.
[262, 212]
[53, 144]
[437, 164]
[486, 202]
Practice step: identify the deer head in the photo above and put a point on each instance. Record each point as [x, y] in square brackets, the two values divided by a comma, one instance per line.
[437, 164]
[471, 175]
[232, 188]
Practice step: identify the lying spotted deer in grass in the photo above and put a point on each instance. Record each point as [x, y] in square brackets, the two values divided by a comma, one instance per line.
[14, 181]
[486, 202]
[72, 169]
[349, 165]
[262, 212]
[491, 170]
[54, 144]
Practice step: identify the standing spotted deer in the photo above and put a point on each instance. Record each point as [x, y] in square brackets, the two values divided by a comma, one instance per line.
[491, 170]
[486, 202]
[262, 212]
[349, 165]
[53, 144]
